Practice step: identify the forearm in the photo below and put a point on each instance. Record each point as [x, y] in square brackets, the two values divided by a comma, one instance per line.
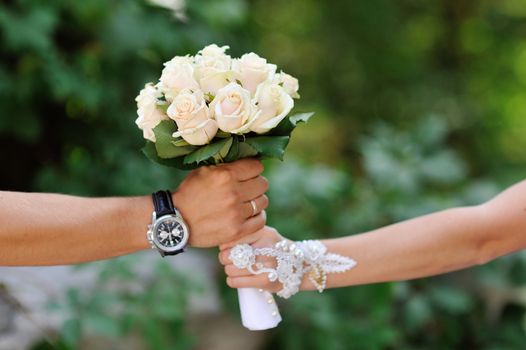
[425, 246]
[435, 243]
[50, 229]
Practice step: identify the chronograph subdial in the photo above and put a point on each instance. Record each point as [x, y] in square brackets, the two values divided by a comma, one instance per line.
[170, 233]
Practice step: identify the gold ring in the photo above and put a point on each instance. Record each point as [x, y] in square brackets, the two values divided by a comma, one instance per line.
[254, 207]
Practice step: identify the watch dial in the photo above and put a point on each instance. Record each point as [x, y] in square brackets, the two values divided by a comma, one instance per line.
[170, 233]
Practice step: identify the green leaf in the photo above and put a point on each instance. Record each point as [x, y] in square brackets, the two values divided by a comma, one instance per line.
[300, 118]
[233, 153]
[151, 153]
[180, 142]
[164, 141]
[269, 146]
[246, 151]
[163, 106]
[221, 155]
[206, 152]
[288, 124]
[223, 135]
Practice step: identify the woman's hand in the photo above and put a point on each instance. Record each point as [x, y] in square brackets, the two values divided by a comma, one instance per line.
[241, 278]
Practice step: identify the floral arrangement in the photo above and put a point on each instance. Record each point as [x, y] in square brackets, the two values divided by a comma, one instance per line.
[211, 108]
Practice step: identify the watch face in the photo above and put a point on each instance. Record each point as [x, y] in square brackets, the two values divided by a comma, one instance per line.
[170, 233]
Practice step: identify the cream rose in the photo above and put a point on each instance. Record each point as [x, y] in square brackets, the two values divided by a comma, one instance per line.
[233, 109]
[274, 104]
[213, 69]
[211, 84]
[192, 117]
[210, 60]
[149, 115]
[289, 84]
[178, 74]
[253, 70]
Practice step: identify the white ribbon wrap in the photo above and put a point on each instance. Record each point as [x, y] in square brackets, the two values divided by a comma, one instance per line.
[258, 309]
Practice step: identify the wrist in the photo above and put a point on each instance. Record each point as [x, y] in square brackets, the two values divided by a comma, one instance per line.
[135, 214]
[180, 203]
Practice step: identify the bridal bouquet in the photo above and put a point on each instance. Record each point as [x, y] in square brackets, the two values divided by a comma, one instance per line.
[211, 108]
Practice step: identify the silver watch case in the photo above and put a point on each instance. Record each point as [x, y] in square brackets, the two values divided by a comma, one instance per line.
[152, 228]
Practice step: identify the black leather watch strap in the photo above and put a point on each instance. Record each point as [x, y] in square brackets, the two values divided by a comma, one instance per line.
[162, 201]
[163, 254]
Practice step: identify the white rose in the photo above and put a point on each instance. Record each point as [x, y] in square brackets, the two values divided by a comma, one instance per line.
[289, 83]
[192, 117]
[212, 59]
[233, 109]
[213, 50]
[253, 70]
[212, 83]
[178, 74]
[149, 115]
[213, 68]
[274, 105]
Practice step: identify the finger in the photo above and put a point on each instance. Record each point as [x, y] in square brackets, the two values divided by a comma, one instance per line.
[246, 169]
[232, 271]
[253, 224]
[248, 239]
[259, 281]
[224, 257]
[255, 206]
[252, 188]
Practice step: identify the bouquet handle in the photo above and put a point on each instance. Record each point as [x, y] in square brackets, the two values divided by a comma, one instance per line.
[258, 309]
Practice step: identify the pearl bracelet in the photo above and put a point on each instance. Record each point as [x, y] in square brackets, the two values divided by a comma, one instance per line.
[294, 260]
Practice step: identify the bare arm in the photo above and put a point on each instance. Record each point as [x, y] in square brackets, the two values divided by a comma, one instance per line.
[48, 229]
[53, 229]
[425, 246]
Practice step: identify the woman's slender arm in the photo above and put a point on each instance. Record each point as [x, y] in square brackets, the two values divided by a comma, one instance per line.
[53, 229]
[428, 245]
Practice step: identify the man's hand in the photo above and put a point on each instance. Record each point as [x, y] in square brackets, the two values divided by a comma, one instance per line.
[215, 202]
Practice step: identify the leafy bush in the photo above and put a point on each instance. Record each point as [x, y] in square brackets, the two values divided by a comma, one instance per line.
[374, 72]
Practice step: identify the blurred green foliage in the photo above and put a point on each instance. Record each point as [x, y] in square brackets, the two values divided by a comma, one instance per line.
[419, 106]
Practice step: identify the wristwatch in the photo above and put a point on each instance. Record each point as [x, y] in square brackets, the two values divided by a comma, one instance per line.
[168, 232]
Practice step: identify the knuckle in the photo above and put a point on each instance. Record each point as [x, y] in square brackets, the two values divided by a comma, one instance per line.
[264, 183]
[202, 171]
[233, 197]
[264, 202]
[223, 175]
[222, 258]
[231, 282]
[261, 219]
[258, 166]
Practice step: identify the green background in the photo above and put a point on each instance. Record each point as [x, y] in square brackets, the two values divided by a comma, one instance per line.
[420, 106]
